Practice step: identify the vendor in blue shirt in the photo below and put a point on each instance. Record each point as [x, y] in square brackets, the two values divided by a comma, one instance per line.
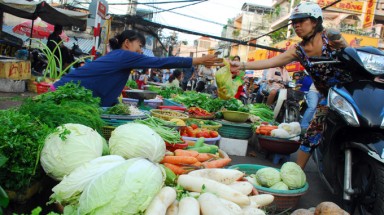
[107, 75]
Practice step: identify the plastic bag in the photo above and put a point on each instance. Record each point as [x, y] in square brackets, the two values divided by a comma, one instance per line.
[226, 86]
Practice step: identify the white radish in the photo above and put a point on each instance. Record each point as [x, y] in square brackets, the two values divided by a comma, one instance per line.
[194, 194]
[252, 211]
[161, 202]
[189, 206]
[262, 199]
[233, 208]
[196, 184]
[211, 205]
[173, 209]
[243, 187]
[225, 176]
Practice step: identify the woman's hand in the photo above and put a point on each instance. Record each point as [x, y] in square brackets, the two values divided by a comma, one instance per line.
[235, 67]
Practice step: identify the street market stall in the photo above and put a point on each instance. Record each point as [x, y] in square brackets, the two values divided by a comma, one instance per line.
[148, 163]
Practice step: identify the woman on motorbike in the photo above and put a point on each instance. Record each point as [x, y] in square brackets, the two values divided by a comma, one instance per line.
[306, 19]
[107, 75]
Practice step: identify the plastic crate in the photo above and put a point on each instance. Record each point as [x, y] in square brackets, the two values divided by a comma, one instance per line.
[235, 130]
[284, 199]
[169, 102]
[211, 141]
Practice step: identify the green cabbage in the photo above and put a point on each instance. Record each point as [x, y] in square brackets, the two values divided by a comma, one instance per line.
[125, 189]
[268, 176]
[68, 191]
[292, 175]
[134, 140]
[280, 186]
[70, 146]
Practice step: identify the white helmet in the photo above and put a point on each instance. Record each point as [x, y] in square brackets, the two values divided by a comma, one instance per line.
[306, 10]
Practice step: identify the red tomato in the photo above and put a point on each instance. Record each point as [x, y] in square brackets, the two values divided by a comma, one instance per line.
[213, 134]
[194, 126]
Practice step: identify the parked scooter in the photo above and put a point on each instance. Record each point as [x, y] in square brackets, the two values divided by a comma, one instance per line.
[350, 156]
[77, 54]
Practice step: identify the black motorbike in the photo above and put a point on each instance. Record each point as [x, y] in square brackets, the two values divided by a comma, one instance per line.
[350, 155]
[77, 54]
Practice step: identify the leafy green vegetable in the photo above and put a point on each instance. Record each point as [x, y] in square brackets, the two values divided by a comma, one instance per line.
[131, 84]
[201, 100]
[118, 109]
[21, 140]
[168, 92]
[263, 111]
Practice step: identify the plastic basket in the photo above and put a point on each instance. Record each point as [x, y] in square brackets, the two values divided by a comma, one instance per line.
[168, 114]
[129, 101]
[211, 141]
[169, 102]
[202, 125]
[154, 103]
[235, 130]
[106, 131]
[177, 108]
[284, 199]
[278, 145]
[42, 87]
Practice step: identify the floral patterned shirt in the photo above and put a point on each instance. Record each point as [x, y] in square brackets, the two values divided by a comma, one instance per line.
[324, 76]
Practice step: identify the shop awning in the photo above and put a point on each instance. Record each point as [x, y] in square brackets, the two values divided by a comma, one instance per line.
[32, 10]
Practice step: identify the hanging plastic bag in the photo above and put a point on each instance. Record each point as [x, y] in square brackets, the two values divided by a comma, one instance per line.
[226, 86]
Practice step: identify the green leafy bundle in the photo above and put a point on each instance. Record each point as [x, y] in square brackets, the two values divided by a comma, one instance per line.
[201, 100]
[131, 84]
[54, 114]
[168, 92]
[21, 141]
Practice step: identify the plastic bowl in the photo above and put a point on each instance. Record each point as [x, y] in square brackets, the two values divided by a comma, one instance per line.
[211, 141]
[235, 116]
[173, 147]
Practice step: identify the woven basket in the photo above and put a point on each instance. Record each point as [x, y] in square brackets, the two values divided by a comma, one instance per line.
[202, 125]
[233, 130]
[284, 199]
[168, 114]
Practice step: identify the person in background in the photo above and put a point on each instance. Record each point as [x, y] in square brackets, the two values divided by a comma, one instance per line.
[174, 79]
[262, 82]
[107, 75]
[53, 40]
[307, 22]
[276, 78]
[166, 74]
[312, 99]
[143, 79]
[187, 75]
[239, 77]
[296, 77]
[191, 85]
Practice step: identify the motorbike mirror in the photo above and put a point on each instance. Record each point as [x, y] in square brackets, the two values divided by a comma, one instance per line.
[277, 73]
[291, 84]
[75, 38]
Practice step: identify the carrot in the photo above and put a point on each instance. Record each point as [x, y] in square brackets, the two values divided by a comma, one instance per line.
[197, 164]
[191, 153]
[179, 160]
[178, 170]
[217, 163]
[204, 156]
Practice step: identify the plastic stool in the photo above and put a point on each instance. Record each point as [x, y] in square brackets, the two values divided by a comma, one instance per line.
[278, 157]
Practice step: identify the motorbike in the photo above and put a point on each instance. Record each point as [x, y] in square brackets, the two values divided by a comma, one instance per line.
[350, 155]
[77, 54]
[286, 107]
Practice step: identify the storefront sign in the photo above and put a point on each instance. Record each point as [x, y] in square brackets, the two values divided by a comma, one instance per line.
[356, 6]
[369, 13]
[355, 40]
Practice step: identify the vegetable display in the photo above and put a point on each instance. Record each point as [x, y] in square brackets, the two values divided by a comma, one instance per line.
[137, 140]
[69, 147]
[21, 140]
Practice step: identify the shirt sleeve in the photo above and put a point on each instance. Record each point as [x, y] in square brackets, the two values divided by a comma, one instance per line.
[135, 60]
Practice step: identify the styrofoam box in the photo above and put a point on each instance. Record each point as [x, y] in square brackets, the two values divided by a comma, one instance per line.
[234, 146]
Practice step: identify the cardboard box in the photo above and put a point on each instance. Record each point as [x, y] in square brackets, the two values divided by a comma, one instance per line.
[15, 69]
[234, 146]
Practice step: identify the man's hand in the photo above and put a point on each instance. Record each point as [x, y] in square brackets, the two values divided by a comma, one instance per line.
[208, 60]
[338, 44]
[235, 66]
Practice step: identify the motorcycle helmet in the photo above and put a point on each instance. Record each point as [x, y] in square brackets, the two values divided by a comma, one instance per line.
[307, 10]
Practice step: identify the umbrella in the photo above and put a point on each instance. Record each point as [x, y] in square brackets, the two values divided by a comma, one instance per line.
[40, 29]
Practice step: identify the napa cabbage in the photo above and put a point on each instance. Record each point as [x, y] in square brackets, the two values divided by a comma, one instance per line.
[268, 176]
[127, 188]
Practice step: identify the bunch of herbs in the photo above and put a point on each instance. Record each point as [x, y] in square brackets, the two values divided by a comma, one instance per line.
[21, 141]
